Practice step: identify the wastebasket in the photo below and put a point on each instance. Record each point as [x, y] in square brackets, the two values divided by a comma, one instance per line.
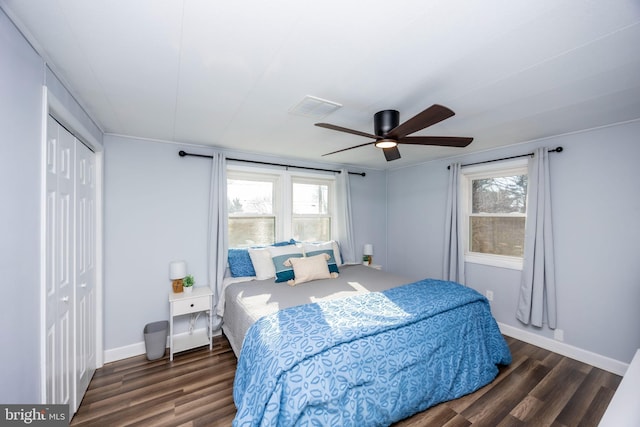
[155, 339]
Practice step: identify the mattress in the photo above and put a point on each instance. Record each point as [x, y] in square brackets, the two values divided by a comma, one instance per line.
[247, 301]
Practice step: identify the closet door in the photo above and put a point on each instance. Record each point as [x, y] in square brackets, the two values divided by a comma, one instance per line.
[85, 302]
[70, 284]
[59, 282]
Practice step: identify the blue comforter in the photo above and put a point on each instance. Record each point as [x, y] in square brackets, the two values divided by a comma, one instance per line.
[367, 360]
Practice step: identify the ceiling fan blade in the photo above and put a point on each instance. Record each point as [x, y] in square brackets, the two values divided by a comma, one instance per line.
[341, 129]
[432, 115]
[391, 153]
[350, 148]
[444, 141]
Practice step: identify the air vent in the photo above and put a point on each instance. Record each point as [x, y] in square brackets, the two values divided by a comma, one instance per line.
[314, 107]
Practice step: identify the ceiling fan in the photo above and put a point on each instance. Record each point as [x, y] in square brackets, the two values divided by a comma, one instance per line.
[389, 133]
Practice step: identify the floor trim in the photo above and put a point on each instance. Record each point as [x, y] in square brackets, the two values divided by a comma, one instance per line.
[136, 349]
[585, 356]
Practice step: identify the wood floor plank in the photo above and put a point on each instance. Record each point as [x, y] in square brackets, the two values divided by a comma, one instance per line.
[527, 406]
[493, 406]
[598, 406]
[584, 397]
[554, 397]
[510, 421]
[438, 415]
[196, 390]
[458, 421]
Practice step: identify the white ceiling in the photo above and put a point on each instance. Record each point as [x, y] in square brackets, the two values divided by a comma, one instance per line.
[226, 74]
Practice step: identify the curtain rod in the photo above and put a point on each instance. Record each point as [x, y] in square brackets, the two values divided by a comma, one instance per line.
[555, 150]
[184, 153]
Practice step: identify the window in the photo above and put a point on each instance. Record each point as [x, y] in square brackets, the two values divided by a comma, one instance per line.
[311, 218]
[265, 207]
[495, 213]
[251, 205]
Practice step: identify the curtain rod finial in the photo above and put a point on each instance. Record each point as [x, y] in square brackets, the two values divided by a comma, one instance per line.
[181, 153]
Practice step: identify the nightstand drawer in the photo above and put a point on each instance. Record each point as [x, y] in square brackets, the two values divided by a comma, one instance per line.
[190, 305]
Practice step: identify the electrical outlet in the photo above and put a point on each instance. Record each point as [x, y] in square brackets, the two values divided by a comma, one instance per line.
[558, 334]
[489, 295]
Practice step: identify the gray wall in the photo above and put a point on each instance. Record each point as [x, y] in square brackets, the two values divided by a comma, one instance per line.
[596, 207]
[156, 212]
[22, 76]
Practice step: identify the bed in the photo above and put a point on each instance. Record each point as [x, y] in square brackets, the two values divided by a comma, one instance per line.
[366, 348]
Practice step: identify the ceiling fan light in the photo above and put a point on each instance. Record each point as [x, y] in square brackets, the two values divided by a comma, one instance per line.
[386, 143]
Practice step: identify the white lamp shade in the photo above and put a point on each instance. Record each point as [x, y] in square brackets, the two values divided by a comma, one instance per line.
[177, 270]
[368, 249]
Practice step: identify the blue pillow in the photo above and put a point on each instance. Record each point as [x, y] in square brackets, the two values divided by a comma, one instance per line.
[240, 263]
[285, 243]
[331, 262]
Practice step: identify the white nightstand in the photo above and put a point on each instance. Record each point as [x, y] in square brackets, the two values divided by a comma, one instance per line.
[200, 300]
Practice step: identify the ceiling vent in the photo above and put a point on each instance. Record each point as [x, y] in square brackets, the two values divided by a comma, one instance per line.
[314, 107]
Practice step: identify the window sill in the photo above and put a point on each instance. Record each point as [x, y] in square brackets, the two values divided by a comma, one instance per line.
[511, 263]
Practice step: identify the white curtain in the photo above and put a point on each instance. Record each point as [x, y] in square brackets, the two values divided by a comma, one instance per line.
[217, 236]
[344, 217]
[538, 287]
[453, 267]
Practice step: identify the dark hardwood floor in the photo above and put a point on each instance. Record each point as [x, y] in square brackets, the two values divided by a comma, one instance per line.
[539, 388]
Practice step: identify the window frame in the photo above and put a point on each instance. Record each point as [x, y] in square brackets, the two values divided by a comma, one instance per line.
[468, 174]
[330, 183]
[242, 173]
[283, 194]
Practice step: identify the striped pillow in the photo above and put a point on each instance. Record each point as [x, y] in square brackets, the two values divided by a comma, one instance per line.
[279, 254]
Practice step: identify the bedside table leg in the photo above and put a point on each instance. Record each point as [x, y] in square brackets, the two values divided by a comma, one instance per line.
[171, 333]
[210, 330]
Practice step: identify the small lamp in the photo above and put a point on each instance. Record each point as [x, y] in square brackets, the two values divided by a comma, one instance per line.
[177, 272]
[368, 252]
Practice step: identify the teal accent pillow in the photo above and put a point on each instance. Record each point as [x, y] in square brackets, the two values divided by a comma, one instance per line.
[331, 262]
[279, 254]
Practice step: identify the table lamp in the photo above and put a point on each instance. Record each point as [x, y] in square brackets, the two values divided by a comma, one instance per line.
[368, 253]
[177, 272]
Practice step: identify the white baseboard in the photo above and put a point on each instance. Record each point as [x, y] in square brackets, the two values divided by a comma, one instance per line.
[602, 362]
[125, 352]
[584, 356]
[137, 349]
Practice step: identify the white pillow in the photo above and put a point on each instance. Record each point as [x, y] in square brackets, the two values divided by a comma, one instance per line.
[331, 245]
[262, 263]
[309, 268]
